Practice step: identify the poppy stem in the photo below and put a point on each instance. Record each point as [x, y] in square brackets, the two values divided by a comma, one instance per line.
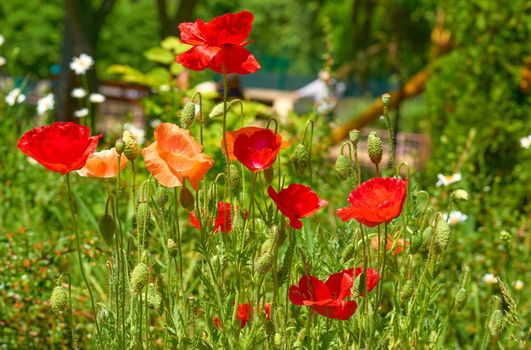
[70, 307]
[225, 145]
[179, 247]
[78, 246]
[121, 257]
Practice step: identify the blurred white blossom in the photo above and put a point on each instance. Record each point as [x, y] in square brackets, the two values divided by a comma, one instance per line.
[96, 98]
[78, 93]
[525, 142]
[45, 104]
[164, 88]
[15, 96]
[518, 285]
[446, 180]
[80, 65]
[456, 217]
[489, 278]
[3, 61]
[1, 40]
[81, 113]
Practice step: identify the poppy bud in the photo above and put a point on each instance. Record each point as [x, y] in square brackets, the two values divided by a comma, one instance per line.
[58, 300]
[143, 216]
[187, 198]
[343, 167]
[386, 99]
[347, 252]
[460, 195]
[139, 277]
[217, 111]
[269, 174]
[172, 247]
[374, 147]
[300, 158]
[119, 145]
[107, 228]
[235, 177]
[154, 300]
[354, 136]
[406, 292]
[357, 286]
[416, 242]
[264, 263]
[278, 339]
[496, 322]
[442, 234]
[161, 196]
[460, 299]
[131, 146]
[187, 115]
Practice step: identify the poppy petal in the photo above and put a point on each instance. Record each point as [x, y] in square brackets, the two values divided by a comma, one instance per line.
[234, 59]
[231, 28]
[198, 57]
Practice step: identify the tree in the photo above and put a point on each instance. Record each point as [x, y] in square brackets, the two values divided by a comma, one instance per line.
[169, 24]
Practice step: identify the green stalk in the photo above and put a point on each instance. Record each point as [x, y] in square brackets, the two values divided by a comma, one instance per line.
[176, 213]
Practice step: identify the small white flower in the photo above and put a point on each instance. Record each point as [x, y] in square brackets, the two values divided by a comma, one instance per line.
[164, 88]
[96, 98]
[525, 142]
[489, 278]
[78, 93]
[80, 65]
[45, 104]
[154, 123]
[3, 61]
[1, 39]
[138, 133]
[456, 217]
[518, 285]
[197, 109]
[15, 96]
[446, 180]
[81, 113]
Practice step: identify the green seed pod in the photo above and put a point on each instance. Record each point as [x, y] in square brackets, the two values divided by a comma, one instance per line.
[161, 196]
[461, 299]
[172, 247]
[416, 242]
[58, 300]
[187, 115]
[460, 195]
[143, 216]
[344, 167]
[139, 277]
[131, 146]
[406, 292]
[347, 252]
[357, 286]
[269, 174]
[235, 177]
[286, 263]
[217, 111]
[187, 198]
[496, 323]
[300, 158]
[264, 263]
[442, 235]
[374, 147]
[120, 146]
[354, 136]
[278, 339]
[107, 228]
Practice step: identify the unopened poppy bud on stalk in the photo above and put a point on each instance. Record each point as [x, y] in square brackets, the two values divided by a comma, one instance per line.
[386, 99]
[187, 198]
[442, 234]
[343, 167]
[354, 136]
[460, 299]
[58, 300]
[217, 111]
[187, 115]
[406, 292]
[235, 177]
[460, 195]
[107, 228]
[374, 147]
[131, 146]
[269, 174]
[172, 247]
[416, 242]
[139, 277]
[143, 216]
[496, 322]
[119, 145]
[300, 158]
[161, 196]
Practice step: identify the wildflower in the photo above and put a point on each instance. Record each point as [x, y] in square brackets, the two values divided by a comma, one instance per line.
[295, 202]
[375, 201]
[78, 93]
[400, 244]
[326, 298]
[81, 64]
[257, 150]
[96, 98]
[103, 164]
[15, 96]
[3, 61]
[81, 113]
[232, 135]
[525, 142]
[217, 322]
[518, 285]
[176, 156]
[223, 220]
[244, 313]
[456, 217]
[489, 278]
[61, 147]
[45, 104]
[446, 180]
[219, 44]
[138, 133]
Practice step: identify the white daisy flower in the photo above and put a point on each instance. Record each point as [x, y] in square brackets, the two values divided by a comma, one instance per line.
[456, 217]
[489, 278]
[154, 123]
[78, 93]
[96, 98]
[3, 61]
[446, 180]
[80, 65]
[45, 104]
[15, 96]
[138, 133]
[1, 40]
[525, 142]
[518, 285]
[81, 113]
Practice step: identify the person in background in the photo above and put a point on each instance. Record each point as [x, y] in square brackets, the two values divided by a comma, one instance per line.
[324, 91]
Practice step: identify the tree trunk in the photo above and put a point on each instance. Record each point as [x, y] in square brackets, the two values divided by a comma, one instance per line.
[169, 26]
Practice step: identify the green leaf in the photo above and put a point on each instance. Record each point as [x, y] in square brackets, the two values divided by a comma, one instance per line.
[159, 55]
[176, 68]
[173, 44]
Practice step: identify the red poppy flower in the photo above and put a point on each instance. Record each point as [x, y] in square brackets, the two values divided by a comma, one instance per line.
[217, 322]
[267, 310]
[328, 298]
[248, 130]
[257, 150]
[223, 220]
[244, 313]
[296, 202]
[375, 201]
[372, 278]
[219, 44]
[400, 244]
[61, 147]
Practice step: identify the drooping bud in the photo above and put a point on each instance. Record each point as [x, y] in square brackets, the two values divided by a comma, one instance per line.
[269, 174]
[300, 158]
[354, 136]
[143, 216]
[460, 195]
[347, 252]
[107, 228]
[460, 299]
[172, 247]
[343, 167]
[187, 115]
[58, 300]
[131, 146]
[139, 277]
[120, 146]
[187, 199]
[161, 196]
[416, 242]
[264, 263]
[374, 147]
[496, 322]
[217, 111]
[235, 177]
[442, 234]
[406, 292]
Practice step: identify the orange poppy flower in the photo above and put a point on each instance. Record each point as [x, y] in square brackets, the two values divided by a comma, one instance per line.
[400, 244]
[248, 130]
[176, 156]
[103, 164]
